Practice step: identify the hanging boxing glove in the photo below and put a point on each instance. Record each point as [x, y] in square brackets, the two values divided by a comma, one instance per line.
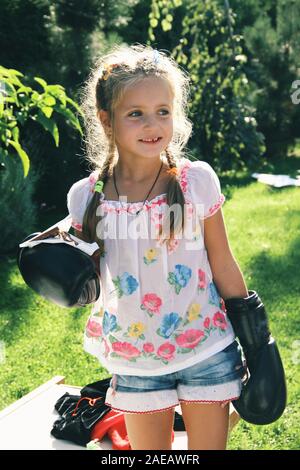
[263, 397]
[64, 270]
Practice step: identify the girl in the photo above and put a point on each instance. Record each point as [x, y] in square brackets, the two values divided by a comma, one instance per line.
[160, 324]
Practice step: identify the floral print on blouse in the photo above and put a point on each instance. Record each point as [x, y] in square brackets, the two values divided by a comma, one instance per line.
[159, 310]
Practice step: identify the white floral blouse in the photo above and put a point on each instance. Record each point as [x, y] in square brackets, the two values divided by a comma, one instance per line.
[159, 310]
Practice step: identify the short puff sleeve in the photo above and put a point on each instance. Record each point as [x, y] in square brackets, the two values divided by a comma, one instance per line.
[78, 198]
[204, 188]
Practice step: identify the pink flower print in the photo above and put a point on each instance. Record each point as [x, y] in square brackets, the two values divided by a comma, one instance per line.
[160, 201]
[222, 305]
[190, 209]
[148, 347]
[151, 303]
[214, 208]
[183, 176]
[219, 320]
[166, 351]
[106, 347]
[190, 338]
[93, 328]
[206, 323]
[201, 280]
[132, 209]
[77, 226]
[173, 246]
[125, 350]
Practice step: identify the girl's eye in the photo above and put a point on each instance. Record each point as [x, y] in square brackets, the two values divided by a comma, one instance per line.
[164, 110]
[131, 114]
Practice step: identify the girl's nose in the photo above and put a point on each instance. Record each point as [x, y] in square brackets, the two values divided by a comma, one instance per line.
[149, 121]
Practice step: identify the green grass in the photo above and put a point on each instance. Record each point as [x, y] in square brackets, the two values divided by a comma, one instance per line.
[42, 340]
[263, 227]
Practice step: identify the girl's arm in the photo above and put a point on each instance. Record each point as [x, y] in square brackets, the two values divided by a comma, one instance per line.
[258, 404]
[226, 273]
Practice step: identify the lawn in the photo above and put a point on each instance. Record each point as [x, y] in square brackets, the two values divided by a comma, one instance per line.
[40, 340]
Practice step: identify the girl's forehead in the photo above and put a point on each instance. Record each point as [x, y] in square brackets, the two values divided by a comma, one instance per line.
[149, 90]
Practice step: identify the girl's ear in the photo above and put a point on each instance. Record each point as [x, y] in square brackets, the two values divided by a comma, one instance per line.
[105, 121]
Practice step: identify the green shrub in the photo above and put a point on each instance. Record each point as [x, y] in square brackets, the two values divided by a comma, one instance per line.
[17, 208]
[225, 129]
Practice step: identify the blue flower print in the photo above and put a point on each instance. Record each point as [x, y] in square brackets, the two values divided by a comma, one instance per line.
[214, 297]
[180, 277]
[109, 323]
[125, 284]
[169, 324]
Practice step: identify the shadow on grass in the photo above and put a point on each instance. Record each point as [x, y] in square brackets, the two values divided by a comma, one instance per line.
[16, 303]
[17, 298]
[277, 279]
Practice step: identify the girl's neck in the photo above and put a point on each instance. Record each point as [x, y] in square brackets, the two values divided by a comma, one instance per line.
[138, 172]
[136, 191]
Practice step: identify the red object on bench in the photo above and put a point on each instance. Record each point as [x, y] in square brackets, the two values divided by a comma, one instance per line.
[113, 424]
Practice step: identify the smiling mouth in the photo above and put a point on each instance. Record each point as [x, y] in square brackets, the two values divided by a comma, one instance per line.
[150, 141]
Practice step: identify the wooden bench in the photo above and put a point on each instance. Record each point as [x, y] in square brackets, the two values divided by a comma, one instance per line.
[26, 423]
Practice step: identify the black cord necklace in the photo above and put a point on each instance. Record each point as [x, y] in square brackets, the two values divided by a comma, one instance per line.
[148, 192]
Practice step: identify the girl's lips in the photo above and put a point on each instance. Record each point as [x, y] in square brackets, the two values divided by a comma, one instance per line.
[149, 142]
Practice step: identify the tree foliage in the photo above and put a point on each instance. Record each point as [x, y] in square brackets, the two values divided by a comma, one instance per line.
[20, 103]
[225, 129]
[272, 42]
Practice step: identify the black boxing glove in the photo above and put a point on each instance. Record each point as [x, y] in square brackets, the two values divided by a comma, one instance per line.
[60, 272]
[263, 397]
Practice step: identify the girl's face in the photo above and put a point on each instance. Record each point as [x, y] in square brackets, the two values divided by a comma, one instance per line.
[145, 112]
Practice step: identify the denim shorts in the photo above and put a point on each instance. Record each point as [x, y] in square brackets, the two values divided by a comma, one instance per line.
[217, 379]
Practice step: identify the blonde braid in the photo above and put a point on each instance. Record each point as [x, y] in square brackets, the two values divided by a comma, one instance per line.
[170, 158]
[174, 196]
[91, 219]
